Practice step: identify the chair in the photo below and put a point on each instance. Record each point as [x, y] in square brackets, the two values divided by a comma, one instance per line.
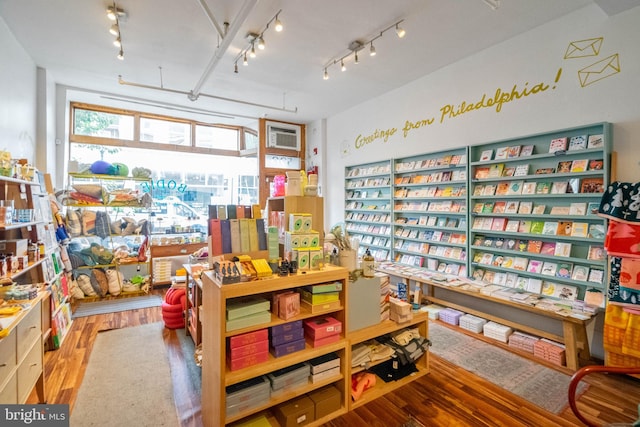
[586, 370]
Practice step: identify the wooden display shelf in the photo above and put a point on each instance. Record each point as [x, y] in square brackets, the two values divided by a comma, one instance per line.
[420, 320]
[216, 375]
[381, 388]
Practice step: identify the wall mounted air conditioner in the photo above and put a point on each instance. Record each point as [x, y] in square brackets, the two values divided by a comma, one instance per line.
[283, 135]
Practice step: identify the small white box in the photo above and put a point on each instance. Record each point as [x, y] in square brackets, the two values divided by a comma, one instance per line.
[315, 258]
[299, 222]
[301, 255]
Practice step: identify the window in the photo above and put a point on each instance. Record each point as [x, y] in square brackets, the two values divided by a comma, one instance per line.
[217, 137]
[165, 131]
[102, 124]
[250, 140]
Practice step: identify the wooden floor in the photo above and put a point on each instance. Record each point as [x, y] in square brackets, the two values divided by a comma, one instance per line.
[448, 396]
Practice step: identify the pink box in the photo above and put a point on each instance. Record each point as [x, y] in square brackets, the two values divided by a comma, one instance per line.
[289, 305]
[248, 338]
[245, 362]
[288, 348]
[248, 350]
[321, 327]
[319, 342]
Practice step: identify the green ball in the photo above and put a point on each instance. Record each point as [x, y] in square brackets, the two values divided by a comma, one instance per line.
[121, 169]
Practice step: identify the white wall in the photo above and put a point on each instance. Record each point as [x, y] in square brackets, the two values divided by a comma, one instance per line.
[17, 98]
[528, 60]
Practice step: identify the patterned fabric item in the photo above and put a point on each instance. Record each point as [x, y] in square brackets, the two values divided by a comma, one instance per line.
[99, 282]
[74, 222]
[84, 283]
[621, 202]
[75, 291]
[617, 293]
[103, 226]
[623, 239]
[114, 279]
[88, 223]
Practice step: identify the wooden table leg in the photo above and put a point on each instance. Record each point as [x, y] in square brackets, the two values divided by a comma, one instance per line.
[576, 344]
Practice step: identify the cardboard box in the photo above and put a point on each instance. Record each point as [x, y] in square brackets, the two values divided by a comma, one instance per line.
[286, 327]
[319, 342]
[295, 335]
[318, 298]
[248, 350]
[250, 360]
[17, 246]
[320, 308]
[289, 305]
[296, 412]
[321, 327]
[324, 362]
[288, 348]
[246, 306]
[321, 376]
[325, 400]
[290, 375]
[248, 338]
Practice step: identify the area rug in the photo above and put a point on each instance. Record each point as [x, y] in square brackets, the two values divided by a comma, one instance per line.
[127, 381]
[542, 386]
[114, 305]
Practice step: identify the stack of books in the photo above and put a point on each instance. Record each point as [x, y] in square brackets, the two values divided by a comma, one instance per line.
[550, 351]
[522, 341]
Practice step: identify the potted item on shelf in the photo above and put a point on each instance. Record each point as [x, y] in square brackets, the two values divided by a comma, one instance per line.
[347, 254]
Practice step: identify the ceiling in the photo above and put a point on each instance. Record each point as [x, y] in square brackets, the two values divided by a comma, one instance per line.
[169, 45]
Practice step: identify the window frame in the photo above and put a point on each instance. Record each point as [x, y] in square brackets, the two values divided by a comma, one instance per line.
[137, 143]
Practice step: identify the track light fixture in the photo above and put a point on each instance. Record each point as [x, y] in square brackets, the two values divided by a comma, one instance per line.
[257, 39]
[116, 14]
[356, 46]
[279, 26]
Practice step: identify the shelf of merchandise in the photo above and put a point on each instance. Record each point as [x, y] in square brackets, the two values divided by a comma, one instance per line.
[216, 374]
[368, 212]
[419, 321]
[279, 208]
[562, 328]
[430, 211]
[112, 186]
[28, 330]
[163, 252]
[533, 222]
